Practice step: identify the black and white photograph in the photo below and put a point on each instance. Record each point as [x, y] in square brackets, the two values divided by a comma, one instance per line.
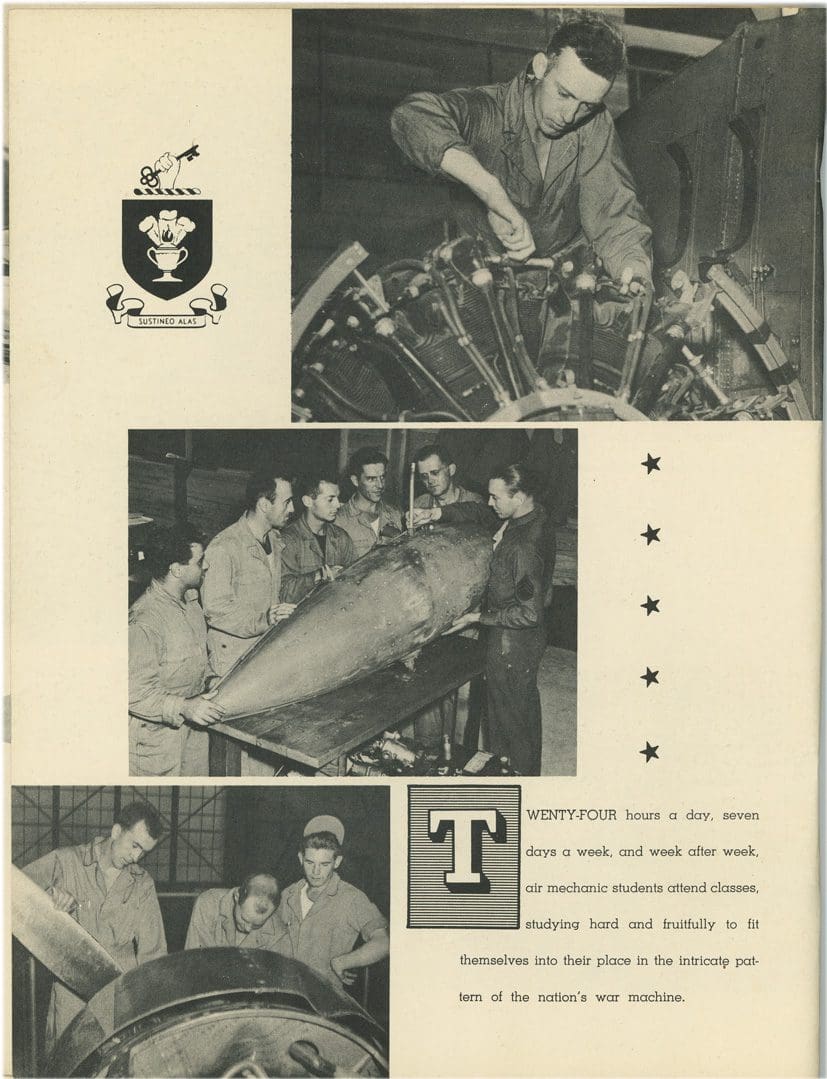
[197, 931]
[353, 602]
[539, 214]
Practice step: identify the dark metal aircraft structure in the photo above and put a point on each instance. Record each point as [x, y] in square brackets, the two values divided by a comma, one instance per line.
[221, 1012]
[390, 603]
[206, 1012]
[727, 159]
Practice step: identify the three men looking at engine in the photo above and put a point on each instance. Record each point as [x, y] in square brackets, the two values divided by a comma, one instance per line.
[320, 920]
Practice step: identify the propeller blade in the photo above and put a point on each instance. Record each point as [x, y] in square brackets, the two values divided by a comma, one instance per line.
[56, 939]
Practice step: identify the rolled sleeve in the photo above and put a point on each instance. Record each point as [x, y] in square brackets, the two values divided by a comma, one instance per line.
[425, 125]
[365, 918]
[147, 698]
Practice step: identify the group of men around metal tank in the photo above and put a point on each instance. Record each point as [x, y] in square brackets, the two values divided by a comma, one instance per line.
[255, 572]
[318, 919]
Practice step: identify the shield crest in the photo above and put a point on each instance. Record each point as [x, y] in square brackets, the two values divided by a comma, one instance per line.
[167, 243]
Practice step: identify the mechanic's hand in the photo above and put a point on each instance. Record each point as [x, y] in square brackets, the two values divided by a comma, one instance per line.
[202, 711]
[462, 622]
[330, 573]
[342, 972]
[280, 612]
[167, 166]
[629, 284]
[424, 517]
[511, 229]
[62, 900]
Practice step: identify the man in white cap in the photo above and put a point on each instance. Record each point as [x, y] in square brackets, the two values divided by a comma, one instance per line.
[325, 916]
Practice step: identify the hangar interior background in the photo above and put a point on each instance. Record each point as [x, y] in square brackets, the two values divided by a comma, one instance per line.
[351, 68]
[200, 476]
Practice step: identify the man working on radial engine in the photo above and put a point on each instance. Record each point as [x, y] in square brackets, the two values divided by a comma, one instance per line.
[242, 917]
[102, 886]
[537, 160]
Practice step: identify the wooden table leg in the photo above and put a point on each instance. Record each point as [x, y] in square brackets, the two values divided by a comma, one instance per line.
[476, 707]
[225, 755]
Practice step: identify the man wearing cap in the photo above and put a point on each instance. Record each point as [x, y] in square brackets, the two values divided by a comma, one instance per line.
[325, 916]
[242, 917]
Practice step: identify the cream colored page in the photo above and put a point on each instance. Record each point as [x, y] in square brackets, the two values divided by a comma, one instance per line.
[94, 95]
[735, 719]
[97, 93]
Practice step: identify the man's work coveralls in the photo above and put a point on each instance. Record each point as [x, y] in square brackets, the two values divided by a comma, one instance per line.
[587, 193]
[126, 920]
[167, 665]
[241, 584]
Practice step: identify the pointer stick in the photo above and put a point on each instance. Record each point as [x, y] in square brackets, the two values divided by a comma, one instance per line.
[411, 499]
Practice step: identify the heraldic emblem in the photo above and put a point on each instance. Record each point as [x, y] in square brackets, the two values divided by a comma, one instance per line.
[166, 242]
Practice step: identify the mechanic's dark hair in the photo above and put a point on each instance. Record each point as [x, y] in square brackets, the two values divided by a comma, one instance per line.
[135, 812]
[312, 481]
[262, 484]
[433, 449]
[260, 885]
[597, 42]
[519, 478]
[167, 545]
[367, 455]
[321, 841]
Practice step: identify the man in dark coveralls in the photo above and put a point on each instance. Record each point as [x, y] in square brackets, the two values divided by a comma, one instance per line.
[537, 162]
[521, 569]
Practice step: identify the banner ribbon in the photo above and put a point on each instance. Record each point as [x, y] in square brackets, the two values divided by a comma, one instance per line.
[131, 309]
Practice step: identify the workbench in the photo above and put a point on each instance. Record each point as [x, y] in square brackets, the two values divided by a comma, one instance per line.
[319, 733]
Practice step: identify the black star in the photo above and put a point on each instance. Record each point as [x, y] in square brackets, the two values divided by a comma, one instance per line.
[649, 752]
[650, 677]
[651, 606]
[651, 535]
[651, 464]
